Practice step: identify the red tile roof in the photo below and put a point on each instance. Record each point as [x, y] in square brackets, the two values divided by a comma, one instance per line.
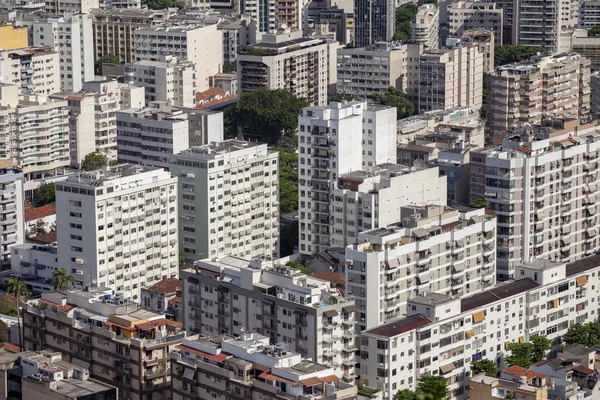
[32, 214]
[218, 358]
[160, 322]
[167, 285]
[217, 101]
[65, 308]
[331, 276]
[270, 377]
[518, 372]
[400, 326]
[46, 238]
[210, 93]
[583, 370]
[177, 299]
[11, 348]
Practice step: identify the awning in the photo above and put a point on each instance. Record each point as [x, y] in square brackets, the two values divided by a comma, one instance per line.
[349, 309]
[555, 303]
[329, 378]
[594, 187]
[424, 277]
[393, 262]
[330, 313]
[188, 374]
[311, 381]
[420, 232]
[478, 317]
[591, 232]
[521, 339]
[447, 368]
[540, 215]
[144, 326]
[470, 334]
[566, 240]
[460, 242]
[592, 198]
[458, 267]
[582, 280]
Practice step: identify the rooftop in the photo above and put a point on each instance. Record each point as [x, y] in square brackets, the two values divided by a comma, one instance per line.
[578, 349]
[220, 148]
[39, 212]
[102, 177]
[541, 264]
[166, 285]
[497, 293]
[432, 299]
[399, 326]
[583, 265]
[518, 371]
[77, 389]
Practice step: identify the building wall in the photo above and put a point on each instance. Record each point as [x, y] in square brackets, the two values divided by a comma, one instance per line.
[466, 15]
[549, 25]
[12, 217]
[374, 21]
[13, 38]
[425, 28]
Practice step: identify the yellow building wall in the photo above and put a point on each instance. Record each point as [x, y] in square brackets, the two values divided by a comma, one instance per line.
[13, 38]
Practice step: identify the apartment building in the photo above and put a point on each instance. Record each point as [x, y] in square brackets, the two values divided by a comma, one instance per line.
[37, 133]
[374, 21]
[589, 14]
[114, 27]
[192, 42]
[34, 69]
[172, 80]
[72, 36]
[587, 46]
[425, 27]
[595, 94]
[486, 42]
[92, 119]
[158, 297]
[229, 200]
[547, 25]
[12, 217]
[450, 77]
[249, 366]
[431, 249]
[13, 37]
[553, 86]
[234, 296]
[373, 198]
[149, 136]
[487, 387]
[369, 140]
[367, 70]
[121, 344]
[134, 208]
[236, 32]
[291, 14]
[557, 179]
[205, 126]
[457, 166]
[59, 7]
[261, 11]
[464, 15]
[303, 66]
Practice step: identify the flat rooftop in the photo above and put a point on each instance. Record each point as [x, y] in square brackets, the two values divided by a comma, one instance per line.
[496, 293]
[541, 264]
[219, 148]
[432, 299]
[400, 326]
[75, 388]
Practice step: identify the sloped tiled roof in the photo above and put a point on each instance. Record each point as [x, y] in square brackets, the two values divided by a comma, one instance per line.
[167, 285]
[39, 212]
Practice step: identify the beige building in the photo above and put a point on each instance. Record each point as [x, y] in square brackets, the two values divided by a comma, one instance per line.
[250, 367]
[465, 15]
[485, 41]
[548, 24]
[198, 43]
[37, 139]
[122, 344]
[303, 66]
[425, 28]
[553, 86]
[60, 7]
[587, 46]
[489, 388]
[366, 70]
[113, 30]
[34, 69]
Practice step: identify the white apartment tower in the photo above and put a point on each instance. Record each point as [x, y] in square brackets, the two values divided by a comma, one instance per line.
[425, 28]
[171, 80]
[72, 36]
[335, 140]
[12, 217]
[544, 193]
[548, 24]
[466, 15]
[59, 7]
[432, 249]
[229, 200]
[34, 69]
[200, 44]
[118, 227]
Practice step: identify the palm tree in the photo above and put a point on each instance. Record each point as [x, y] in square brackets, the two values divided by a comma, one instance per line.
[61, 279]
[18, 289]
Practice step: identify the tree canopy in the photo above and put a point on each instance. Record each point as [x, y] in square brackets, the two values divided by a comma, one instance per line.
[270, 114]
[484, 366]
[405, 394]
[162, 4]
[395, 98]
[479, 202]
[108, 59]
[94, 161]
[404, 15]
[541, 347]
[429, 387]
[61, 279]
[510, 53]
[288, 179]
[45, 194]
[595, 31]
[525, 354]
[584, 334]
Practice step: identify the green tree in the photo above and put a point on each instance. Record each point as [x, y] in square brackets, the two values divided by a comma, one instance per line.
[94, 161]
[584, 334]
[433, 387]
[404, 15]
[7, 308]
[230, 124]
[484, 366]
[269, 114]
[510, 53]
[61, 279]
[229, 67]
[405, 394]
[395, 98]
[595, 31]
[3, 332]
[108, 59]
[39, 228]
[162, 4]
[288, 179]
[520, 354]
[181, 258]
[299, 266]
[45, 194]
[541, 347]
[479, 202]
[341, 97]
[19, 290]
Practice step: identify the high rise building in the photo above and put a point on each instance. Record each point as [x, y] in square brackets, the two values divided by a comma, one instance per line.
[37, 137]
[588, 46]
[192, 42]
[72, 37]
[172, 80]
[374, 21]
[60, 7]
[135, 243]
[261, 11]
[549, 87]
[425, 28]
[465, 15]
[431, 249]
[303, 66]
[35, 70]
[149, 136]
[547, 25]
[12, 217]
[451, 77]
[485, 40]
[589, 14]
[122, 345]
[333, 141]
[229, 200]
[234, 296]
